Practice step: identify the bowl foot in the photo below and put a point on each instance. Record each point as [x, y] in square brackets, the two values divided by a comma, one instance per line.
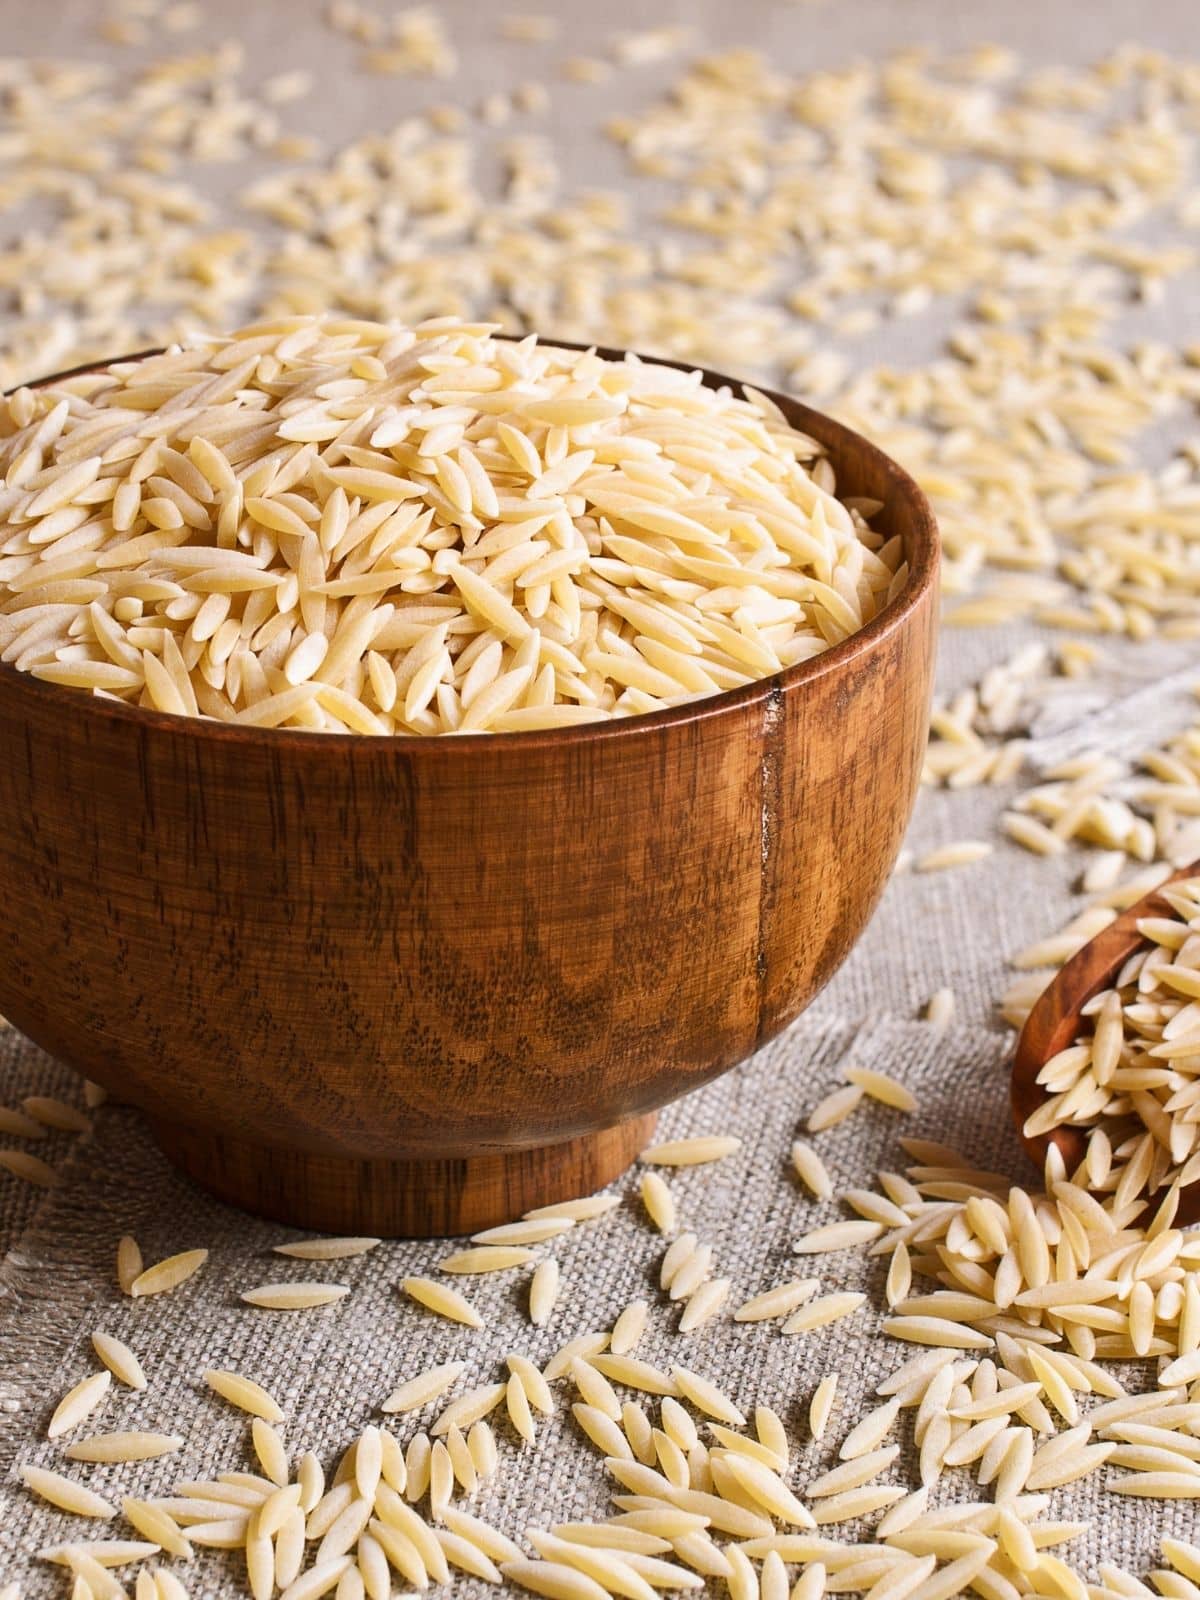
[416, 1199]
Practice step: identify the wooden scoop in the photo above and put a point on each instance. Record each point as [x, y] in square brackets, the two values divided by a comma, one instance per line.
[1056, 1022]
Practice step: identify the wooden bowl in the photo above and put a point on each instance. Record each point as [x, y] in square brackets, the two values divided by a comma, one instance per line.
[1056, 1021]
[415, 986]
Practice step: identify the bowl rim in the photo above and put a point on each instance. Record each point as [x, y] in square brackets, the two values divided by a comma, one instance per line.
[923, 564]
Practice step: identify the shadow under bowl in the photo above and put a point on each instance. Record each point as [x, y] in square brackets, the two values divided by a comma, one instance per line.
[415, 986]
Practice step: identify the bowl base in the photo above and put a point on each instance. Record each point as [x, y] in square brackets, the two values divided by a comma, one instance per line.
[418, 1199]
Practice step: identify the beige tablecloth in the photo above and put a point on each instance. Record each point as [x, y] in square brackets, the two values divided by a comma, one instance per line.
[330, 1368]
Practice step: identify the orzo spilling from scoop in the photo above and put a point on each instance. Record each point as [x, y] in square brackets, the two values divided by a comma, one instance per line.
[362, 527]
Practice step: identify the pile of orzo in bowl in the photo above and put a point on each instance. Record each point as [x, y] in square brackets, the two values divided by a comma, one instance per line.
[350, 526]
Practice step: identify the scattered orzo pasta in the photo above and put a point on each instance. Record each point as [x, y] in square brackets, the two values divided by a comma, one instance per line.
[821, 1405]
[55, 1113]
[543, 1291]
[960, 854]
[167, 1274]
[79, 1403]
[835, 1108]
[584, 1209]
[692, 1152]
[440, 1298]
[129, 1263]
[30, 1168]
[530, 1230]
[244, 1393]
[939, 1008]
[810, 1169]
[486, 1258]
[426, 1386]
[65, 1493]
[658, 1201]
[294, 1296]
[883, 1087]
[123, 1446]
[325, 1249]
[119, 1359]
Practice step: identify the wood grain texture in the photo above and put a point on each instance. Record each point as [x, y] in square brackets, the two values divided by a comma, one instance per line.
[296, 950]
[434, 1197]
[1056, 1022]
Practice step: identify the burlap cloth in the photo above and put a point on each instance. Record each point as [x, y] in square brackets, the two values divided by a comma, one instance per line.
[329, 1369]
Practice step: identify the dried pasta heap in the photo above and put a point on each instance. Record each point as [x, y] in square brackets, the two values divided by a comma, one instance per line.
[363, 527]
